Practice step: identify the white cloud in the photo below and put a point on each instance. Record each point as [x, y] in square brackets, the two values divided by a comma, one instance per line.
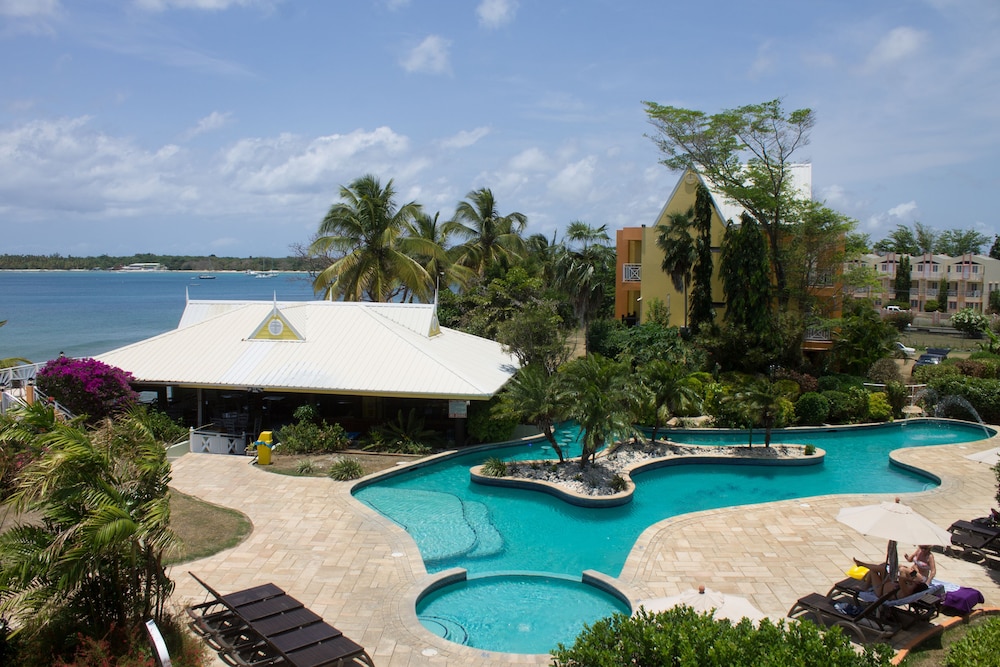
[291, 164]
[496, 13]
[763, 63]
[898, 45]
[906, 210]
[465, 138]
[212, 121]
[575, 181]
[63, 165]
[430, 56]
[532, 159]
[210, 5]
[29, 8]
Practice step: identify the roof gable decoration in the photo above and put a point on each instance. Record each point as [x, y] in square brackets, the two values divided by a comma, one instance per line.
[276, 327]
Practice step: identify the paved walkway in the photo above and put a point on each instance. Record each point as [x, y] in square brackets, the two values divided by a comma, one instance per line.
[362, 573]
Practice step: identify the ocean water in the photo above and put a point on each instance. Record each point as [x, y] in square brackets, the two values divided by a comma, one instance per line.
[86, 313]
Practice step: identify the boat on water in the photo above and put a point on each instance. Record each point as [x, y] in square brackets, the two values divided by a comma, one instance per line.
[206, 276]
[265, 274]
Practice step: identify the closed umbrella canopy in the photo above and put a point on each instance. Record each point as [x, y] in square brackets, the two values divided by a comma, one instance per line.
[703, 600]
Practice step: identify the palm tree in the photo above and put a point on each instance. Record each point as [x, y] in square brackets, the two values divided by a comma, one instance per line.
[96, 556]
[377, 254]
[585, 273]
[439, 263]
[673, 390]
[532, 396]
[603, 400]
[490, 238]
[680, 252]
[765, 399]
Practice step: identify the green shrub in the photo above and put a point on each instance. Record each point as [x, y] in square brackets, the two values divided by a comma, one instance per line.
[839, 382]
[306, 467]
[975, 368]
[346, 469]
[306, 413]
[160, 424]
[901, 320]
[931, 305]
[879, 409]
[486, 427]
[980, 647]
[805, 381]
[839, 412]
[312, 438]
[618, 484]
[884, 371]
[983, 394]
[929, 373]
[812, 409]
[494, 467]
[809, 450]
[898, 395]
[857, 405]
[680, 636]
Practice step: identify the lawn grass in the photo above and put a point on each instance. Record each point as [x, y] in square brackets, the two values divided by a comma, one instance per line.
[203, 529]
[932, 653]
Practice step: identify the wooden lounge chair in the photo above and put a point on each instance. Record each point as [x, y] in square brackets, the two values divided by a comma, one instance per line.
[975, 539]
[865, 620]
[923, 606]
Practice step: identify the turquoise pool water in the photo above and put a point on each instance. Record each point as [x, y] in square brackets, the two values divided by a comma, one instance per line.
[456, 523]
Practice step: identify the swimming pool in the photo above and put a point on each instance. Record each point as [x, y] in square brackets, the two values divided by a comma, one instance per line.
[486, 529]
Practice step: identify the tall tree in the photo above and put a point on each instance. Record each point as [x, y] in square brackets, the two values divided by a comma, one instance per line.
[995, 248]
[679, 252]
[584, 270]
[746, 276]
[371, 234]
[815, 253]
[958, 242]
[747, 154]
[702, 308]
[903, 280]
[435, 258]
[926, 238]
[489, 236]
[901, 241]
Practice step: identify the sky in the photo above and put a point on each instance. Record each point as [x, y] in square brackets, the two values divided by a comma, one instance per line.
[228, 127]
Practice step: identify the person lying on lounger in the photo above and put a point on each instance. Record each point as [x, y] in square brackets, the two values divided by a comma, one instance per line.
[910, 580]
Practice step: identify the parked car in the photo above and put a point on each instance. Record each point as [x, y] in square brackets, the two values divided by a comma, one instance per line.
[926, 360]
[907, 351]
[893, 309]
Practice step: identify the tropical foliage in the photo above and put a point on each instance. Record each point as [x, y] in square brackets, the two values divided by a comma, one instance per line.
[681, 636]
[95, 559]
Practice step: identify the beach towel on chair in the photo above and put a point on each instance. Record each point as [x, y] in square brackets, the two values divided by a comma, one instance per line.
[962, 600]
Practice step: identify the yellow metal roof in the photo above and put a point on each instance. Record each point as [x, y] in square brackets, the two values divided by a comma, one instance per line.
[379, 349]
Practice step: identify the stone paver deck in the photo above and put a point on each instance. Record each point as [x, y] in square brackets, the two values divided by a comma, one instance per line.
[362, 573]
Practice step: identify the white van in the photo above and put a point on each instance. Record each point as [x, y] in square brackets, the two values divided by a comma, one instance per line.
[893, 309]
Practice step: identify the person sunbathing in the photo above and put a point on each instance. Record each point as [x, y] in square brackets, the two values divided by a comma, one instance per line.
[909, 580]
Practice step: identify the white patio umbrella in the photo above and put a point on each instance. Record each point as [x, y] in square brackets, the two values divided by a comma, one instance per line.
[702, 600]
[895, 522]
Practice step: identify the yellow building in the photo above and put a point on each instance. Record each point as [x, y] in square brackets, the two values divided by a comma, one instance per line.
[640, 278]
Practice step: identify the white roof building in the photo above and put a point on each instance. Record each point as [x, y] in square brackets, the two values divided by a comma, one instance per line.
[330, 347]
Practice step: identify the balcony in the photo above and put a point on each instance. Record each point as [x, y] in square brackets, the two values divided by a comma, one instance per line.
[631, 273]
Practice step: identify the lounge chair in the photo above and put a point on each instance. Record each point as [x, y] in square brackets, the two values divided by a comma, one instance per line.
[864, 619]
[263, 627]
[975, 539]
[922, 606]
